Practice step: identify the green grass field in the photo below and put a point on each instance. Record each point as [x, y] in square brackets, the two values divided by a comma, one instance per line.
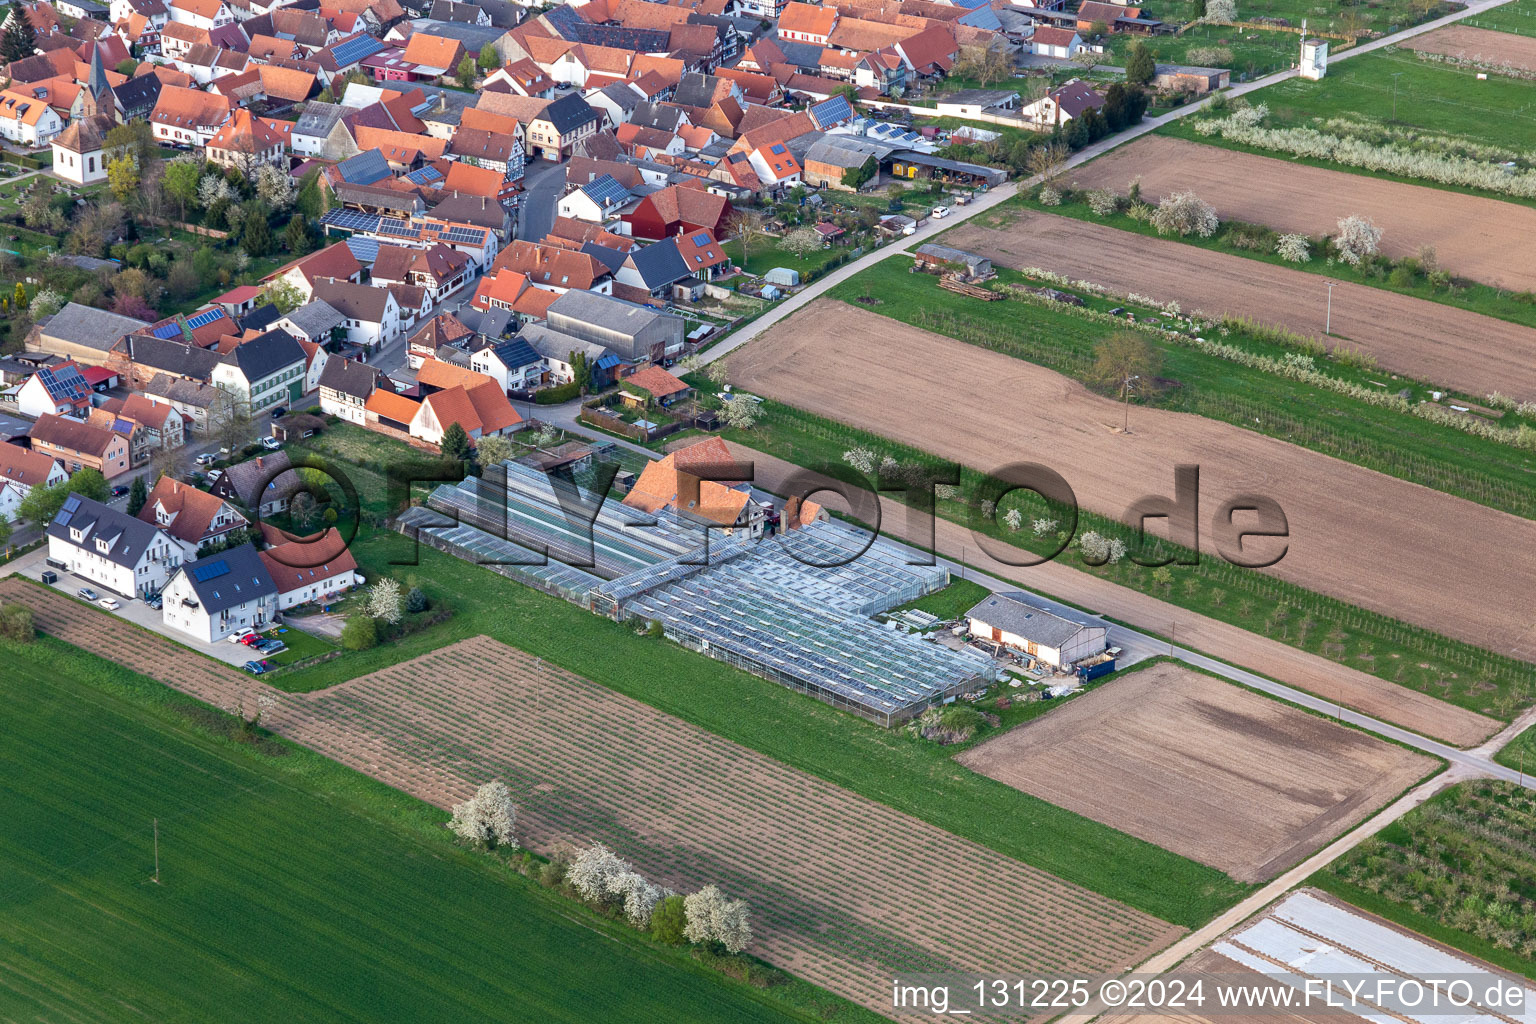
[1431, 97]
[291, 888]
[913, 776]
[1517, 16]
[951, 602]
[1456, 869]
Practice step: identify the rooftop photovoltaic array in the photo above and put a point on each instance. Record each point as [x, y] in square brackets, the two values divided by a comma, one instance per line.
[212, 571]
[353, 50]
[351, 220]
[204, 318]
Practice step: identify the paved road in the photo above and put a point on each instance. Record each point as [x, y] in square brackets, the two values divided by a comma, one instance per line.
[542, 184]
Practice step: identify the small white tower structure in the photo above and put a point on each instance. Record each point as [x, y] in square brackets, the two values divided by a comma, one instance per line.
[1314, 56]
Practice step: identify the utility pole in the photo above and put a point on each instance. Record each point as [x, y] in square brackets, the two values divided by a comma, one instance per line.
[1173, 632]
[1395, 76]
[1328, 323]
[156, 879]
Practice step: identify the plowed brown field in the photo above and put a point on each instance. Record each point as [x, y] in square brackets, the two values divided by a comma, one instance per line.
[844, 891]
[1203, 768]
[1341, 684]
[1448, 565]
[1423, 340]
[1478, 44]
[1483, 239]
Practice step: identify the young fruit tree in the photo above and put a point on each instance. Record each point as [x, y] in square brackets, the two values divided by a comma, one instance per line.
[1184, 213]
[488, 818]
[1294, 248]
[801, 242]
[1358, 238]
[713, 918]
[740, 413]
[1221, 10]
[385, 601]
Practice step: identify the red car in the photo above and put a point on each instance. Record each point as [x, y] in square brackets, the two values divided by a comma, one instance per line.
[250, 639]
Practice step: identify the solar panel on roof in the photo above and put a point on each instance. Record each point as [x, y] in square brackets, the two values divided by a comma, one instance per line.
[211, 571]
[204, 318]
[167, 331]
[71, 503]
[777, 147]
[365, 249]
[354, 50]
[702, 238]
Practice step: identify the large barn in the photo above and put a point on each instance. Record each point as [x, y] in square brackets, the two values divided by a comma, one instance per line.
[1043, 635]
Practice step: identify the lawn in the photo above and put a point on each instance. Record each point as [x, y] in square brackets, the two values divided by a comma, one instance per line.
[1520, 752]
[1377, 15]
[951, 602]
[1436, 98]
[765, 255]
[301, 645]
[1402, 445]
[290, 888]
[911, 775]
[1457, 869]
[1518, 17]
[1253, 52]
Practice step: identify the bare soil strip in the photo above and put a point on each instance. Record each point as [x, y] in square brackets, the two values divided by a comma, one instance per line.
[1204, 768]
[1422, 340]
[1470, 43]
[1473, 236]
[1365, 538]
[1350, 687]
[844, 891]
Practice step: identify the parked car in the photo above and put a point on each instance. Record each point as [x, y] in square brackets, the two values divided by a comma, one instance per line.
[119, 491]
[939, 212]
[271, 443]
[255, 668]
[279, 413]
[111, 604]
[154, 601]
[207, 459]
[252, 640]
[238, 637]
[86, 593]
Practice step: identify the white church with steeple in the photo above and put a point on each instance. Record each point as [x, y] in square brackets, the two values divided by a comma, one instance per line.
[78, 151]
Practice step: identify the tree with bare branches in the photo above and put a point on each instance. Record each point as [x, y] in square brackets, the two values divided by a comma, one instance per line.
[1126, 363]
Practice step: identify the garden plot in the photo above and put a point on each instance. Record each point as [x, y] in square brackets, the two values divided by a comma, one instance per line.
[1352, 536]
[1203, 768]
[1472, 236]
[1423, 340]
[1464, 42]
[844, 891]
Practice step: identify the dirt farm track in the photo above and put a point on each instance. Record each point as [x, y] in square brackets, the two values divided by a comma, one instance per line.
[1478, 44]
[1365, 538]
[1423, 340]
[844, 891]
[1203, 768]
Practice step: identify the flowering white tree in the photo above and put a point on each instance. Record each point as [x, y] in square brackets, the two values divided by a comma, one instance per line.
[274, 187]
[1294, 248]
[861, 459]
[1103, 202]
[1013, 518]
[45, 303]
[385, 601]
[1184, 213]
[639, 896]
[489, 817]
[213, 188]
[741, 413]
[594, 871]
[1357, 239]
[1044, 526]
[801, 241]
[1221, 10]
[713, 918]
